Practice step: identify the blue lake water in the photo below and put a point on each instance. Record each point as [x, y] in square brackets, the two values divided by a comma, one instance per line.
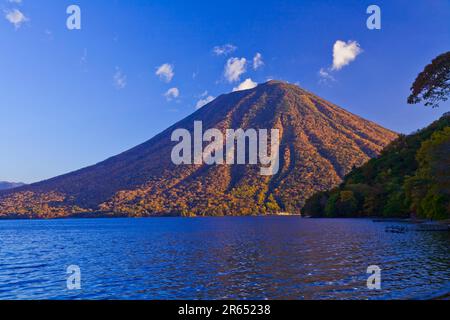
[219, 258]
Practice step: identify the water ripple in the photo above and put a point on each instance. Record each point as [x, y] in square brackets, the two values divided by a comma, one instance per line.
[219, 258]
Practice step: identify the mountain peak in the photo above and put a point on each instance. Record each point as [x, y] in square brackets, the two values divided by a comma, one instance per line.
[278, 84]
[281, 84]
[273, 82]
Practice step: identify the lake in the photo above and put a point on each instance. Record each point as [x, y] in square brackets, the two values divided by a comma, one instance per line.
[220, 258]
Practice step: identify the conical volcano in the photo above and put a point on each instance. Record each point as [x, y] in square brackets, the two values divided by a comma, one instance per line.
[319, 143]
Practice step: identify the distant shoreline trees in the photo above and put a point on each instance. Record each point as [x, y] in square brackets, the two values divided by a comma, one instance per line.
[411, 178]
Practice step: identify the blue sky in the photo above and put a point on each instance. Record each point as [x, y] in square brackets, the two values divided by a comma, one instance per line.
[72, 98]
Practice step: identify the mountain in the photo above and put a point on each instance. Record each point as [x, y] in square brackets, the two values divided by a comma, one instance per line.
[4, 185]
[319, 144]
[410, 178]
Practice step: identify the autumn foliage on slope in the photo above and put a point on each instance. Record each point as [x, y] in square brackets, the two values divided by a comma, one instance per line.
[320, 144]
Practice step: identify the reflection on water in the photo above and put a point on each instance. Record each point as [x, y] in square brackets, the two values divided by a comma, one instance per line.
[219, 258]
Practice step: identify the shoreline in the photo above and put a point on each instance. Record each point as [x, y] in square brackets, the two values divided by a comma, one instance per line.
[124, 216]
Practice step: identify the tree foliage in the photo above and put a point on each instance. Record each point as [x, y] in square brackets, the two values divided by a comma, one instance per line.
[411, 177]
[429, 189]
[432, 85]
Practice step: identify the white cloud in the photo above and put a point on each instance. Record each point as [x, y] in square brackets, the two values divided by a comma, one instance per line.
[16, 17]
[234, 68]
[119, 79]
[15, 1]
[165, 72]
[204, 100]
[344, 53]
[224, 50]
[325, 76]
[172, 93]
[245, 85]
[258, 61]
